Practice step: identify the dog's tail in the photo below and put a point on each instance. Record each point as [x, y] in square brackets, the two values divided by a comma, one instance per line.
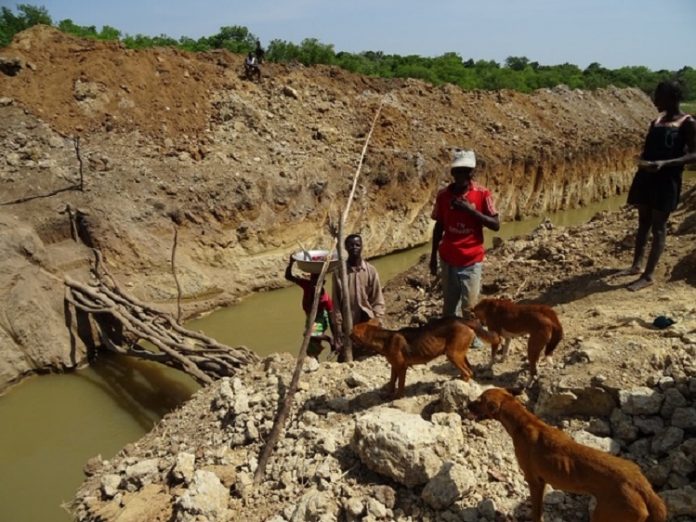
[556, 336]
[657, 511]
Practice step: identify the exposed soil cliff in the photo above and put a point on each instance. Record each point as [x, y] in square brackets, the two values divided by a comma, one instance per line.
[246, 170]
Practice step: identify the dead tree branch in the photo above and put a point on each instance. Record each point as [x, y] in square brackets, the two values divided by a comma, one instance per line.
[76, 141]
[121, 322]
[176, 279]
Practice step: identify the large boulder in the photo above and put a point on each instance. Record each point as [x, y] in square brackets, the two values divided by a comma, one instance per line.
[404, 446]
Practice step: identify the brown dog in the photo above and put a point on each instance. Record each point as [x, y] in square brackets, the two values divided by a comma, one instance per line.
[549, 456]
[508, 320]
[408, 346]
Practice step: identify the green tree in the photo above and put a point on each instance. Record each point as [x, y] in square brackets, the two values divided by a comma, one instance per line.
[516, 63]
[234, 38]
[312, 51]
[28, 16]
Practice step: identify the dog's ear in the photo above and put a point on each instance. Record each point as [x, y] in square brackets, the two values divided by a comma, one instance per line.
[492, 409]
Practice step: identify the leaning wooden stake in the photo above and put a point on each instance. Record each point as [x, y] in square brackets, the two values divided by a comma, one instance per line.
[289, 398]
[176, 279]
[342, 270]
[76, 142]
[284, 410]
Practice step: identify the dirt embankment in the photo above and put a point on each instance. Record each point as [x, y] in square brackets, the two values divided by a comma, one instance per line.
[246, 170]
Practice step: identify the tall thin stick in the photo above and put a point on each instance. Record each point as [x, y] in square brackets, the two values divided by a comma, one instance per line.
[176, 279]
[289, 398]
[76, 141]
[284, 410]
[346, 314]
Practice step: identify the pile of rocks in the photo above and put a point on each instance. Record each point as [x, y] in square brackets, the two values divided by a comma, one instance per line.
[346, 455]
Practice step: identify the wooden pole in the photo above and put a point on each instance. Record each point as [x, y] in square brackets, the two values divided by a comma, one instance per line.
[284, 411]
[346, 315]
[176, 279]
[76, 142]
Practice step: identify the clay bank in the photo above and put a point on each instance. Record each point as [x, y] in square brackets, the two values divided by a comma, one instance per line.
[247, 170]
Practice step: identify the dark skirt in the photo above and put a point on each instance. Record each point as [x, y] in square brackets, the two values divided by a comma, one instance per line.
[657, 190]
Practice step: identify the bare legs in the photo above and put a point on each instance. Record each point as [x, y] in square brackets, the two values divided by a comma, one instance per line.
[648, 219]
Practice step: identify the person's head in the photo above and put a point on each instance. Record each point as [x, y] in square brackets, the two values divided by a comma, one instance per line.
[354, 244]
[463, 166]
[250, 55]
[668, 94]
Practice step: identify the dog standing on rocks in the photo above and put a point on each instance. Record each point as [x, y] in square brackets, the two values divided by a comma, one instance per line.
[450, 336]
[549, 456]
[508, 319]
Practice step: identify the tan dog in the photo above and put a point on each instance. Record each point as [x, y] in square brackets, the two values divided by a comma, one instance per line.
[549, 456]
[508, 320]
[408, 346]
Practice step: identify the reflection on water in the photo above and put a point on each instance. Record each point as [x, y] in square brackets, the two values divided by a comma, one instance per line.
[51, 425]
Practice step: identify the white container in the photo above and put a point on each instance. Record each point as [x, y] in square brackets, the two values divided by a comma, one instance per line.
[311, 261]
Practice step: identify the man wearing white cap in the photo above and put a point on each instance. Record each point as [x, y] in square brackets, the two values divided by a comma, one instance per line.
[461, 211]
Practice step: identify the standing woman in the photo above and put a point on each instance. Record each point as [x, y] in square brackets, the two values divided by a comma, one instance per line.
[669, 145]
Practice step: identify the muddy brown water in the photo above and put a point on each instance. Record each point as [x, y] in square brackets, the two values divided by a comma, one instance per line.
[50, 425]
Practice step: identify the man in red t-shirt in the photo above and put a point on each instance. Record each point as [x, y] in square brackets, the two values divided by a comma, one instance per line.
[325, 317]
[461, 211]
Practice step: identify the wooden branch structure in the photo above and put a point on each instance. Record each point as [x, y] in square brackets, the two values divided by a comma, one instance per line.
[109, 318]
[76, 143]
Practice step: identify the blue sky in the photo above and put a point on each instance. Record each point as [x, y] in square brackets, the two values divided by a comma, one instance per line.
[660, 34]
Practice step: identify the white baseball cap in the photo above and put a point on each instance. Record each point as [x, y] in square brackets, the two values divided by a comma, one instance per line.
[463, 158]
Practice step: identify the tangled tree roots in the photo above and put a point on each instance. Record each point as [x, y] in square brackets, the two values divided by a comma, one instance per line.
[107, 317]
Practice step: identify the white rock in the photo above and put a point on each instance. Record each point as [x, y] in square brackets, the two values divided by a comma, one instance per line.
[143, 472]
[404, 446]
[606, 444]
[206, 497]
[317, 506]
[451, 483]
[455, 395]
[110, 484]
[640, 401]
[183, 468]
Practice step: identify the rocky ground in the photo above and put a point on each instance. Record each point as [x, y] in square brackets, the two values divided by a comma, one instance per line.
[349, 453]
[245, 170]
